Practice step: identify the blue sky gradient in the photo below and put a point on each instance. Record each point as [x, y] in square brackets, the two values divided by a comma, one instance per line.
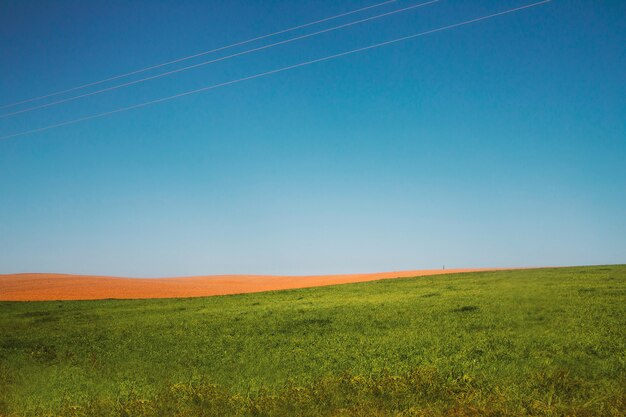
[496, 144]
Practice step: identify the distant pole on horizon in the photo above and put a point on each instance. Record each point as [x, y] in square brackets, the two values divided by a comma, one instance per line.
[444, 267]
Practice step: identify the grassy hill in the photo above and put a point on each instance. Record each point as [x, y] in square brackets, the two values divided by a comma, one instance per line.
[526, 342]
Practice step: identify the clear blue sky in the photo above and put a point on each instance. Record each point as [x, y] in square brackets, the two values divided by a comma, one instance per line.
[497, 144]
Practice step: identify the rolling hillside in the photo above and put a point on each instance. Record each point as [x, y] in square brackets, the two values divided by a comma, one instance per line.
[521, 342]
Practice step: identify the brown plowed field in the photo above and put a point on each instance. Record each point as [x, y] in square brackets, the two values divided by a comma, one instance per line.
[39, 287]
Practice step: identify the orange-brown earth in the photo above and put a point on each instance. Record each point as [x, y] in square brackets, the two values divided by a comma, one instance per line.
[39, 287]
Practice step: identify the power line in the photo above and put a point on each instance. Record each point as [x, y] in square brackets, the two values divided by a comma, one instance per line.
[224, 58]
[263, 74]
[80, 87]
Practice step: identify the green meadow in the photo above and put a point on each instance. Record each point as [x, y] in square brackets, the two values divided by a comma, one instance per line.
[544, 342]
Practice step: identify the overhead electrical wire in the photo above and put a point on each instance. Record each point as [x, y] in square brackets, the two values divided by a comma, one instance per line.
[224, 58]
[185, 58]
[263, 74]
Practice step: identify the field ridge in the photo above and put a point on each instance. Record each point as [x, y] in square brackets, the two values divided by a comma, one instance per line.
[46, 287]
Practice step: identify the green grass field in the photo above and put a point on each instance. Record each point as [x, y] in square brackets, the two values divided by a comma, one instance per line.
[546, 342]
